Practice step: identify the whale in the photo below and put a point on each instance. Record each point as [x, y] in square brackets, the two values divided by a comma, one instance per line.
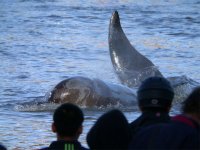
[130, 66]
[89, 92]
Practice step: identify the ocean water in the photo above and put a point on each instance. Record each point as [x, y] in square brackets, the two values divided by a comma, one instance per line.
[42, 42]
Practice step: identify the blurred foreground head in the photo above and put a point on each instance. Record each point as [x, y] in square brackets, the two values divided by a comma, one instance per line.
[192, 104]
[110, 132]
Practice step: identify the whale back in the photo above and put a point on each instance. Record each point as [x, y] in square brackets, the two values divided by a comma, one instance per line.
[71, 89]
[88, 92]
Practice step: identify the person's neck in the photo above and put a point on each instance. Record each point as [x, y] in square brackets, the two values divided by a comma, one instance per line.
[194, 117]
[154, 112]
[66, 138]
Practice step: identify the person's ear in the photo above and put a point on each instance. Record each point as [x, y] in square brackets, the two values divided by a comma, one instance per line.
[140, 108]
[168, 108]
[53, 128]
[80, 130]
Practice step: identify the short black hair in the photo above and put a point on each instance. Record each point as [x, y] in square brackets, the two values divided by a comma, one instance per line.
[192, 102]
[67, 119]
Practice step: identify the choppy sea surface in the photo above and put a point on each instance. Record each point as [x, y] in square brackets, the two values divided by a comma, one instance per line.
[42, 42]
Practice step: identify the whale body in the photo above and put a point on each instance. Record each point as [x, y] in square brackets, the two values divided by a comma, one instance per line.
[88, 92]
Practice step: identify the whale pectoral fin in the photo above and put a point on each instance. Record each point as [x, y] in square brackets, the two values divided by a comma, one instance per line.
[125, 57]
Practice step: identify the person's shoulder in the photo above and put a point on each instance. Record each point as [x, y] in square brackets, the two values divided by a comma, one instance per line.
[136, 121]
[84, 148]
[80, 148]
[45, 148]
[184, 120]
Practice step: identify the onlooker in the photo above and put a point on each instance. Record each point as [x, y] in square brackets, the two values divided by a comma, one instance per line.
[155, 97]
[2, 147]
[110, 132]
[67, 124]
[183, 132]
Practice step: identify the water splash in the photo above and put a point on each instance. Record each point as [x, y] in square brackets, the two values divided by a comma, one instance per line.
[183, 86]
[132, 78]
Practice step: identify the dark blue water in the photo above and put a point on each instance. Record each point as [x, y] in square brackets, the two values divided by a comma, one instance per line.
[44, 41]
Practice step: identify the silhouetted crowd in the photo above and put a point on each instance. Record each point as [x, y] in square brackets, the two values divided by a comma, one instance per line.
[153, 129]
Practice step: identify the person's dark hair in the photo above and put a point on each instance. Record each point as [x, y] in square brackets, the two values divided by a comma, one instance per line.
[155, 92]
[192, 102]
[111, 131]
[67, 119]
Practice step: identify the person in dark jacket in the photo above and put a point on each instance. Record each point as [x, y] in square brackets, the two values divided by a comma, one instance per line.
[67, 124]
[154, 97]
[182, 133]
[110, 132]
[2, 147]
